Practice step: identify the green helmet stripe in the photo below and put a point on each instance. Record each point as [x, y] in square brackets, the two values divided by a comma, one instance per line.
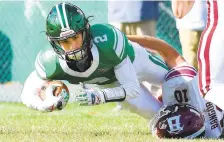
[65, 15]
[60, 8]
[59, 16]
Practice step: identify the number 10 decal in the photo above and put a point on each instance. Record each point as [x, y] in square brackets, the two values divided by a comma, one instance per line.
[181, 95]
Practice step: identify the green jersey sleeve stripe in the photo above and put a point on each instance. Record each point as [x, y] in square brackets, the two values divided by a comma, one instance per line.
[38, 63]
[155, 60]
[40, 69]
[122, 53]
[159, 60]
[115, 40]
[120, 42]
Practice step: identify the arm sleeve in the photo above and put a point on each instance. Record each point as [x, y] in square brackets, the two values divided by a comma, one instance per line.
[29, 94]
[129, 88]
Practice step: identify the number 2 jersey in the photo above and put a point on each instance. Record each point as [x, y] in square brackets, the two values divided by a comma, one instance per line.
[181, 86]
[115, 59]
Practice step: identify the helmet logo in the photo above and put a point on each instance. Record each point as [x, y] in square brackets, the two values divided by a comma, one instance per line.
[65, 29]
[174, 124]
[66, 32]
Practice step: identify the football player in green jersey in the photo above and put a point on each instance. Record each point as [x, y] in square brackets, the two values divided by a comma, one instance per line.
[94, 54]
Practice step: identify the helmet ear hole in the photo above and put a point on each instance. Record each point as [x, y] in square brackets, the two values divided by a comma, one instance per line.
[188, 123]
[78, 21]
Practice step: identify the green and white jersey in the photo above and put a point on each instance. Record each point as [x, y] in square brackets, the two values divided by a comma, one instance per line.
[110, 47]
[114, 59]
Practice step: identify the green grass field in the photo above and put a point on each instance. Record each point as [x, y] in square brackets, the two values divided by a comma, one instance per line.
[74, 123]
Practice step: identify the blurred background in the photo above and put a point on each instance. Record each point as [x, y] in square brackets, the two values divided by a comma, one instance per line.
[21, 35]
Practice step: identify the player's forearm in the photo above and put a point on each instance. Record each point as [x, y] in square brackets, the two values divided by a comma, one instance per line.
[181, 7]
[129, 87]
[145, 105]
[118, 94]
[168, 53]
[126, 75]
[127, 90]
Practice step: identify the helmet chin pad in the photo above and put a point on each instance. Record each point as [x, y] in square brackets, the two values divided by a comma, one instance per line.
[81, 65]
[77, 55]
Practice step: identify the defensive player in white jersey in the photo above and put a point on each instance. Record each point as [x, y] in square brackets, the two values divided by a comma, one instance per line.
[99, 54]
[211, 49]
[181, 86]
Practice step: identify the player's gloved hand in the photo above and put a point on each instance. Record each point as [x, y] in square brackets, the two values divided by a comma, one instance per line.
[90, 97]
[51, 102]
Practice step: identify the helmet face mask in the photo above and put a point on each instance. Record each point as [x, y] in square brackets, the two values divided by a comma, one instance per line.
[77, 55]
[66, 21]
[178, 121]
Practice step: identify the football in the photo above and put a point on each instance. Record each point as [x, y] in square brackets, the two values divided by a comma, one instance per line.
[59, 89]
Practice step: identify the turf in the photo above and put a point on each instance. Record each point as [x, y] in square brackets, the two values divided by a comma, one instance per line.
[74, 123]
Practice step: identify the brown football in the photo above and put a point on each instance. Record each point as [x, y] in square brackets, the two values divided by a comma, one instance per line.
[56, 91]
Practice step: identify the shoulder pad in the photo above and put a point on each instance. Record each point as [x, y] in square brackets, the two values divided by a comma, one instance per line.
[180, 74]
[45, 63]
[110, 41]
